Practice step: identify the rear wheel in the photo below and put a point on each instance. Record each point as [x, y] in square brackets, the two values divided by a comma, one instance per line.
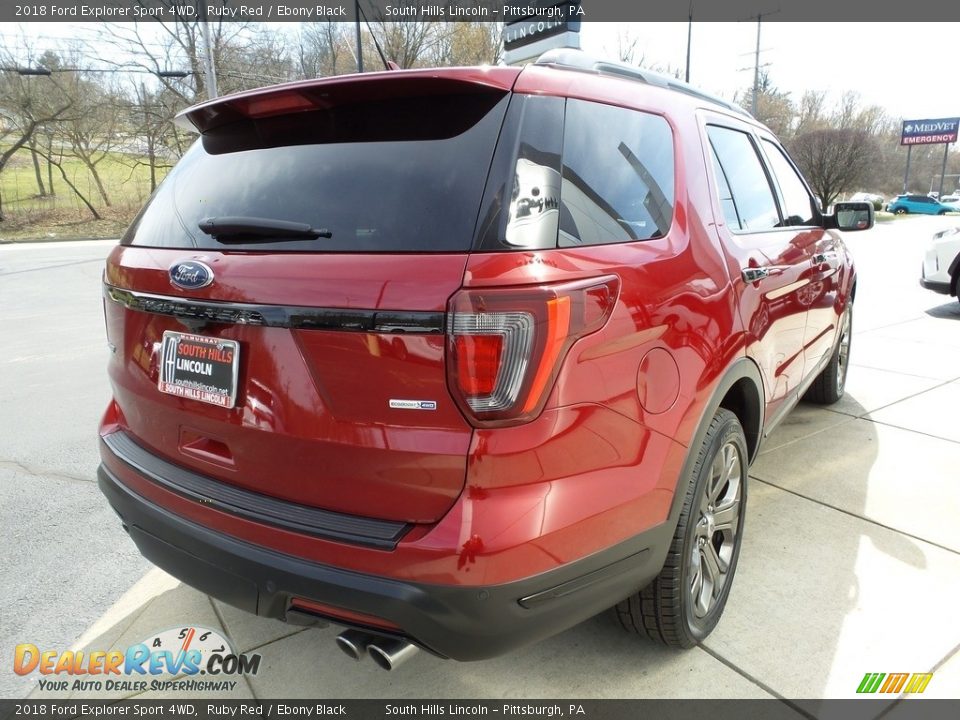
[900, 211]
[684, 603]
[830, 384]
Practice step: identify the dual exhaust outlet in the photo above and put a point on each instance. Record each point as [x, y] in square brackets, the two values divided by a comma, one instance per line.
[388, 653]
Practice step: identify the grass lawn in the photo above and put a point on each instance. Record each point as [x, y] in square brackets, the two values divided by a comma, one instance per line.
[28, 215]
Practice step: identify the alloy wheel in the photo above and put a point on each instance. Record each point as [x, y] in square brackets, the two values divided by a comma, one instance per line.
[843, 354]
[715, 535]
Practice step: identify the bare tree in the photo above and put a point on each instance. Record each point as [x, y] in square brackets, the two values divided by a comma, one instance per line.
[835, 160]
[246, 56]
[323, 49]
[253, 58]
[35, 159]
[56, 160]
[408, 44]
[93, 128]
[467, 43]
[26, 105]
[850, 114]
[151, 136]
[628, 48]
[810, 113]
[774, 107]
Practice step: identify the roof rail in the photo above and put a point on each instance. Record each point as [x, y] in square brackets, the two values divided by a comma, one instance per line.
[579, 60]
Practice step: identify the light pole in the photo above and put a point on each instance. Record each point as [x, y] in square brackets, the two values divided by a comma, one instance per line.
[356, 7]
[209, 70]
[756, 60]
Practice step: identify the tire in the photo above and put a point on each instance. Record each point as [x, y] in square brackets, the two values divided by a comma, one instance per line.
[900, 211]
[831, 383]
[942, 212]
[684, 603]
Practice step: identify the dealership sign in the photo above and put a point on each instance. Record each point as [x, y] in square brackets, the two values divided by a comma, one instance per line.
[536, 26]
[929, 132]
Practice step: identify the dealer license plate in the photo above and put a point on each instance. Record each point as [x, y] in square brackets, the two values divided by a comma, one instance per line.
[199, 368]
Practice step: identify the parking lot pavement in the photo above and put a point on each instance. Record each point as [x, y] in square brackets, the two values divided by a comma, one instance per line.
[850, 563]
[64, 558]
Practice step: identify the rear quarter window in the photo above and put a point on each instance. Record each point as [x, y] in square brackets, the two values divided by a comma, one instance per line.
[571, 173]
[617, 176]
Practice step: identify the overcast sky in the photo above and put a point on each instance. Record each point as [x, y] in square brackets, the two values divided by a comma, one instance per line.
[907, 68]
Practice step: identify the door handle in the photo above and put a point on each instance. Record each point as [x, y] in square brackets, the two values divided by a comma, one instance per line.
[751, 275]
[755, 274]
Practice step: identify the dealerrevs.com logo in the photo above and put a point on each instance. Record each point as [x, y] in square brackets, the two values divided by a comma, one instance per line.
[185, 651]
[907, 683]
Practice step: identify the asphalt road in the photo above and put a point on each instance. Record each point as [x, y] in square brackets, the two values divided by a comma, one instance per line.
[851, 560]
[65, 558]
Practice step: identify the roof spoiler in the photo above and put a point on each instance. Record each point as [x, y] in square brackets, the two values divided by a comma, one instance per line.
[318, 94]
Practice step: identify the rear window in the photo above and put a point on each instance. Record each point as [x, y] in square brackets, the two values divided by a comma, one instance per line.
[398, 175]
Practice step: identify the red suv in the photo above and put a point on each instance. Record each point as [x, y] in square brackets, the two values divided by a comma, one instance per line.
[459, 358]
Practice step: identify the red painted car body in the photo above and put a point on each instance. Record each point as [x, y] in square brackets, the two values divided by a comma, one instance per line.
[489, 529]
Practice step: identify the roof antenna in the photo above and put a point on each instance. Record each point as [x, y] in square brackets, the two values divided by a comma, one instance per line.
[387, 64]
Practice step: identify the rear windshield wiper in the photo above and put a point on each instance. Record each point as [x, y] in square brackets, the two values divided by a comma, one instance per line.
[256, 229]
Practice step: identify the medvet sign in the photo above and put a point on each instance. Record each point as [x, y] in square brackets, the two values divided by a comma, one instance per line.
[929, 132]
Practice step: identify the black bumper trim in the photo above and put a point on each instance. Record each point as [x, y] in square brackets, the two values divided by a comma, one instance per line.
[372, 532]
[459, 622]
[938, 287]
[582, 582]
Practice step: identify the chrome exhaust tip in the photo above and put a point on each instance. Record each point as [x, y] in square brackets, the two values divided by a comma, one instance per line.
[354, 643]
[391, 653]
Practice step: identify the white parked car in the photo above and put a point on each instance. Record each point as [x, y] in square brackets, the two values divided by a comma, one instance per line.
[951, 200]
[941, 263]
[866, 197]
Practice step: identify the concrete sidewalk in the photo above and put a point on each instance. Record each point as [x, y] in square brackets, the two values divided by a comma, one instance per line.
[850, 563]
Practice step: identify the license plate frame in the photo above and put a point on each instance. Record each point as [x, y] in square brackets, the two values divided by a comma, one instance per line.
[200, 368]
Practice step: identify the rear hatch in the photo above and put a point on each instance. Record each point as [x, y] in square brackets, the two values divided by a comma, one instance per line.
[277, 309]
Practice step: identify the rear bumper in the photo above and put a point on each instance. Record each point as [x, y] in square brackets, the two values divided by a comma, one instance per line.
[459, 622]
[939, 287]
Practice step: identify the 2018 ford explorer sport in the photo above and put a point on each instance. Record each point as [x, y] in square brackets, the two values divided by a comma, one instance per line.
[459, 358]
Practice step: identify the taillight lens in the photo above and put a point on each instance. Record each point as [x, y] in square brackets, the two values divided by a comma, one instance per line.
[506, 345]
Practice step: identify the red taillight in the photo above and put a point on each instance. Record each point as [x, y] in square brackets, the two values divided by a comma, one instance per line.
[478, 363]
[506, 345]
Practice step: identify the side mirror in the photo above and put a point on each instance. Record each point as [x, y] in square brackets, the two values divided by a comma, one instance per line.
[851, 216]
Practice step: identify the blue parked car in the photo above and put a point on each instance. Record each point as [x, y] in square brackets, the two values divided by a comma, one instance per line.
[918, 204]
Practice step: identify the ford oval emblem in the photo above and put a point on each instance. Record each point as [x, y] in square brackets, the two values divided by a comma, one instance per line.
[191, 274]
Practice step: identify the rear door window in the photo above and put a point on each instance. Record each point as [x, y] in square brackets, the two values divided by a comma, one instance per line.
[395, 175]
[753, 199]
[727, 202]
